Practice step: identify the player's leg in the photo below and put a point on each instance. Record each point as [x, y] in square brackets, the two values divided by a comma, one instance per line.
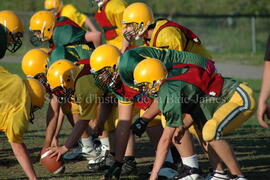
[228, 117]
[85, 149]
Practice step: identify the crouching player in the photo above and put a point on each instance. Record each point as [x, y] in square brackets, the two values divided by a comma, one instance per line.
[217, 105]
[107, 76]
[66, 80]
[18, 100]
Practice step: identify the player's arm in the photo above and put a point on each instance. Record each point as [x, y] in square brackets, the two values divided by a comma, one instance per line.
[263, 107]
[81, 19]
[75, 135]
[52, 117]
[88, 23]
[22, 156]
[58, 128]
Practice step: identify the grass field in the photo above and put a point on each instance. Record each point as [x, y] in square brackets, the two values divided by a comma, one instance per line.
[251, 143]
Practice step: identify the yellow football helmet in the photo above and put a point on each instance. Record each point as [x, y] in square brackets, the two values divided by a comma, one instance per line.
[139, 16]
[42, 25]
[36, 92]
[148, 75]
[104, 56]
[14, 29]
[35, 62]
[53, 5]
[103, 62]
[61, 76]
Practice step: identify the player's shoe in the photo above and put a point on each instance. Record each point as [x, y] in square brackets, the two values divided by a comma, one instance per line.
[233, 177]
[99, 163]
[129, 167]
[214, 175]
[81, 152]
[188, 173]
[167, 171]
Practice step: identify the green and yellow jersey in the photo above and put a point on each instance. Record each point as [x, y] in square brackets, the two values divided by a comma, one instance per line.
[177, 97]
[67, 32]
[73, 53]
[129, 60]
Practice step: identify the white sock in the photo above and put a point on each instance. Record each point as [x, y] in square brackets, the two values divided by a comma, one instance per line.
[87, 142]
[219, 171]
[169, 157]
[191, 161]
[105, 142]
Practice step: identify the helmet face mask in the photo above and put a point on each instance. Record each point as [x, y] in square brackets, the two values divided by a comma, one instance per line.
[15, 41]
[149, 89]
[133, 31]
[41, 77]
[37, 38]
[107, 78]
[63, 94]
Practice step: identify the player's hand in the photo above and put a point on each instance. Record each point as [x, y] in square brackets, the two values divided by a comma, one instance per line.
[139, 126]
[113, 171]
[180, 131]
[54, 142]
[263, 109]
[57, 151]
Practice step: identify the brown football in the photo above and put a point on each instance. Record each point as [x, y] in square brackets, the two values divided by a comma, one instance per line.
[55, 167]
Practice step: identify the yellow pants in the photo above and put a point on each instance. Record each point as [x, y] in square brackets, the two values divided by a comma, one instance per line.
[230, 115]
[156, 121]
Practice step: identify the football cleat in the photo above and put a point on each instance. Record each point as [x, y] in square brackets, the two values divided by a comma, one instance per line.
[188, 173]
[100, 162]
[214, 175]
[81, 152]
[168, 171]
[235, 177]
[129, 167]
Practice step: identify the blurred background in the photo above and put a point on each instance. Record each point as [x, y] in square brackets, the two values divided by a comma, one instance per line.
[234, 30]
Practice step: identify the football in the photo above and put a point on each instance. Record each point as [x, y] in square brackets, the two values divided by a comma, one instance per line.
[55, 167]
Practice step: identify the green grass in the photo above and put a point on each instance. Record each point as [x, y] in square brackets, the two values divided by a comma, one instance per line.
[250, 141]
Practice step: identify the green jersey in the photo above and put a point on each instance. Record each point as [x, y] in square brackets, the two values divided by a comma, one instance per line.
[176, 97]
[67, 32]
[130, 59]
[3, 41]
[71, 53]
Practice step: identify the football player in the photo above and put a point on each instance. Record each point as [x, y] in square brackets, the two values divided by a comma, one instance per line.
[109, 16]
[104, 67]
[59, 9]
[60, 31]
[217, 105]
